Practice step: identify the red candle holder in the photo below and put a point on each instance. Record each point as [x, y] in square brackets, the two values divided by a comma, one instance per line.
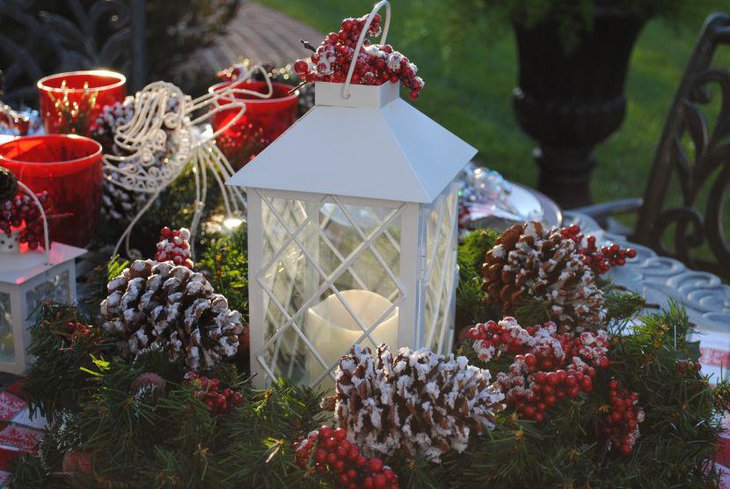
[71, 102]
[68, 167]
[264, 120]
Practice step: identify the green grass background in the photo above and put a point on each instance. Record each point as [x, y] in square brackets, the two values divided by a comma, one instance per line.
[470, 70]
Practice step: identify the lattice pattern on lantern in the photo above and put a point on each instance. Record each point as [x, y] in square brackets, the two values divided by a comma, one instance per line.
[441, 253]
[330, 277]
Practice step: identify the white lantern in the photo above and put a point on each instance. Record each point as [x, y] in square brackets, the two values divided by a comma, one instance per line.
[352, 232]
[27, 279]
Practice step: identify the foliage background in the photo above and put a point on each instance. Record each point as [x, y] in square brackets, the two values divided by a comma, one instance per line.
[470, 67]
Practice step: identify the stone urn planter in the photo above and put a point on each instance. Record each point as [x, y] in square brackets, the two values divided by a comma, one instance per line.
[569, 101]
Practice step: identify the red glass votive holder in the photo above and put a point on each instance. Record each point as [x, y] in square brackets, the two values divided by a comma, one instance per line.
[264, 120]
[68, 167]
[71, 102]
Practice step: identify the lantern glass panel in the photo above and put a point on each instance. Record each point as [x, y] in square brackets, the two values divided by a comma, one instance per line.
[7, 349]
[440, 255]
[330, 277]
[56, 288]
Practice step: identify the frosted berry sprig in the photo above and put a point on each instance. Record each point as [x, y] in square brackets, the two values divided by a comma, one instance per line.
[376, 64]
[75, 331]
[547, 366]
[688, 366]
[622, 421]
[77, 328]
[550, 348]
[219, 400]
[174, 246]
[22, 210]
[600, 260]
[327, 451]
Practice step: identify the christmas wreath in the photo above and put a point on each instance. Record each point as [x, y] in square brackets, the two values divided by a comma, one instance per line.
[537, 393]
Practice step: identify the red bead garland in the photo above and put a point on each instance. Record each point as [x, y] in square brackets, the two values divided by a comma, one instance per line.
[601, 260]
[21, 209]
[174, 246]
[219, 400]
[376, 64]
[328, 451]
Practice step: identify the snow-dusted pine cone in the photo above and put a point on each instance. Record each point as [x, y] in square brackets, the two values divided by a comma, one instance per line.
[419, 403]
[112, 118]
[117, 203]
[160, 306]
[530, 264]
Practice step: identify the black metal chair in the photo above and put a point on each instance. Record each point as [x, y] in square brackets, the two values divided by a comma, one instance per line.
[73, 35]
[681, 212]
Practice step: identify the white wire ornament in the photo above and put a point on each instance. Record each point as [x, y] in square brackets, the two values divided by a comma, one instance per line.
[164, 121]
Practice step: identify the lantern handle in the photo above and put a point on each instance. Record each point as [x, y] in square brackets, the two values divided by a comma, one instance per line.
[43, 216]
[361, 41]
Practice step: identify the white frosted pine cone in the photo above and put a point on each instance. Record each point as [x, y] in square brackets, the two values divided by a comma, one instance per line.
[161, 306]
[418, 403]
[531, 264]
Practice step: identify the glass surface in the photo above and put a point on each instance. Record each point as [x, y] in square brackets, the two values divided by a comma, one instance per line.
[71, 102]
[69, 169]
[7, 348]
[264, 120]
[57, 289]
[440, 272]
[330, 273]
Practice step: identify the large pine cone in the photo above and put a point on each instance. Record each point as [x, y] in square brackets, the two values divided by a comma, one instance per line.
[419, 403]
[160, 306]
[533, 266]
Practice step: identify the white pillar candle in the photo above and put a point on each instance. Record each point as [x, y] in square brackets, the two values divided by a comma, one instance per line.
[332, 329]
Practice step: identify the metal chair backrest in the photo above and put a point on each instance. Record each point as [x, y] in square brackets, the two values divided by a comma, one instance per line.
[75, 35]
[682, 214]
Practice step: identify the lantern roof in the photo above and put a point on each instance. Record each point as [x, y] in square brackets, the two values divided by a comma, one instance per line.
[18, 268]
[372, 144]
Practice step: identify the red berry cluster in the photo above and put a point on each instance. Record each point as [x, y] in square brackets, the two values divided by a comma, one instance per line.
[330, 452]
[376, 64]
[219, 401]
[77, 328]
[547, 366]
[601, 260]
[688, 366]
[174, 246]
[21, 209]
[622, 422]
[76, 331]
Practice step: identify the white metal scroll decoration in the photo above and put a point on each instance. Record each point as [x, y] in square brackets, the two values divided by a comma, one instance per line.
[165, 121]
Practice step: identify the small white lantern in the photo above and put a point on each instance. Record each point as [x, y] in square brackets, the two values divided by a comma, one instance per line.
[27, 279]
[352, 233]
